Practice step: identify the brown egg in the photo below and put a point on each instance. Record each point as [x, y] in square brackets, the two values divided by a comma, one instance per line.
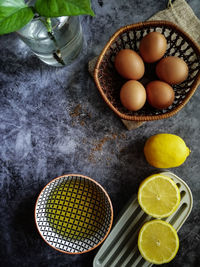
[129, 64]
[133, 95]
[159, 94]
[172, 70]
[153, 46]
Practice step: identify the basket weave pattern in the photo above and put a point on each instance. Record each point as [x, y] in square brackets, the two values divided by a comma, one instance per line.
[179, 44]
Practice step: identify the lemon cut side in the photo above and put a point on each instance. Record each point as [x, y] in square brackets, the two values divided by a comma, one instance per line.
[158, 242]
[158, 196]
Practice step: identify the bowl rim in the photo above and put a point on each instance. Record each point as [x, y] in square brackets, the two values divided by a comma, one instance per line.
[140, 25]
[104, 191]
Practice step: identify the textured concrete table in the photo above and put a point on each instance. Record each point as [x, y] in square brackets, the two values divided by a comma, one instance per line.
[53, 121]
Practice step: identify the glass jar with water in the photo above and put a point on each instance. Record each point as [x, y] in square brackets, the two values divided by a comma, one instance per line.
[58, 46]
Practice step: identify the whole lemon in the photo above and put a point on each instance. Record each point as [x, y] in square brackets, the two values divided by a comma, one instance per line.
[165, 150]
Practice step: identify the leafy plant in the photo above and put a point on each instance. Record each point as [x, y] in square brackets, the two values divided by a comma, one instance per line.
[15, 14]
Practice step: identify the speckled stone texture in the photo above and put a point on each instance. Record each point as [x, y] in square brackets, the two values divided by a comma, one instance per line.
[53, 121]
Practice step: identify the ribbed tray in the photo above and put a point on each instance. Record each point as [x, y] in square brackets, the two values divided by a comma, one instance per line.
[120, 248]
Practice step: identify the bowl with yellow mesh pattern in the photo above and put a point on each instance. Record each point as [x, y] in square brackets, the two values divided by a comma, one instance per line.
[73, 214]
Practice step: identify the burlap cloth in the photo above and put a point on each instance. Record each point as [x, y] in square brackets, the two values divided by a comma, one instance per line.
[179, 13]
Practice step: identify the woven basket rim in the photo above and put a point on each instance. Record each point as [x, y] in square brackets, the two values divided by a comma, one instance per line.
[140, 25]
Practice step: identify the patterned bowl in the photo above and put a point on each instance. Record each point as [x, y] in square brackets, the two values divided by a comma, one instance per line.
[73, 214]
[179, 44]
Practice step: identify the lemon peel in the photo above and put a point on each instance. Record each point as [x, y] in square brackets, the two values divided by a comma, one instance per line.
[166, 150]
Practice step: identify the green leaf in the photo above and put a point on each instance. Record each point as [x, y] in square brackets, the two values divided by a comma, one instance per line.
[8, 6]
[14, 14]
[58, 8]
[12, 3]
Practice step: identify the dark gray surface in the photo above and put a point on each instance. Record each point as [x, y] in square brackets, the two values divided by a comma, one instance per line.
[41, 138]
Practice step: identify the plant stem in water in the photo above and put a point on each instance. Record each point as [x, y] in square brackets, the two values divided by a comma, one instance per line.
[57, 54]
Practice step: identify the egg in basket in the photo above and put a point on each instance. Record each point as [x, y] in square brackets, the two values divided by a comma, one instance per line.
[155, 63]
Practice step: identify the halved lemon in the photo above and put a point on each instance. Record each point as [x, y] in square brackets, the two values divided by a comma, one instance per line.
[158, 242]
[158, 196]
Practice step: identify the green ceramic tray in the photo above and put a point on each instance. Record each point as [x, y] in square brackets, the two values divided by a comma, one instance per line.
[120, 248]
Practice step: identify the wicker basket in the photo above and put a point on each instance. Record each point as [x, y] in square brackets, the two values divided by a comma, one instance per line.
[179, 44]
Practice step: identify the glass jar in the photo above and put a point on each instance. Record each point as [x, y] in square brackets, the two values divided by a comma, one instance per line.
[58, 47]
